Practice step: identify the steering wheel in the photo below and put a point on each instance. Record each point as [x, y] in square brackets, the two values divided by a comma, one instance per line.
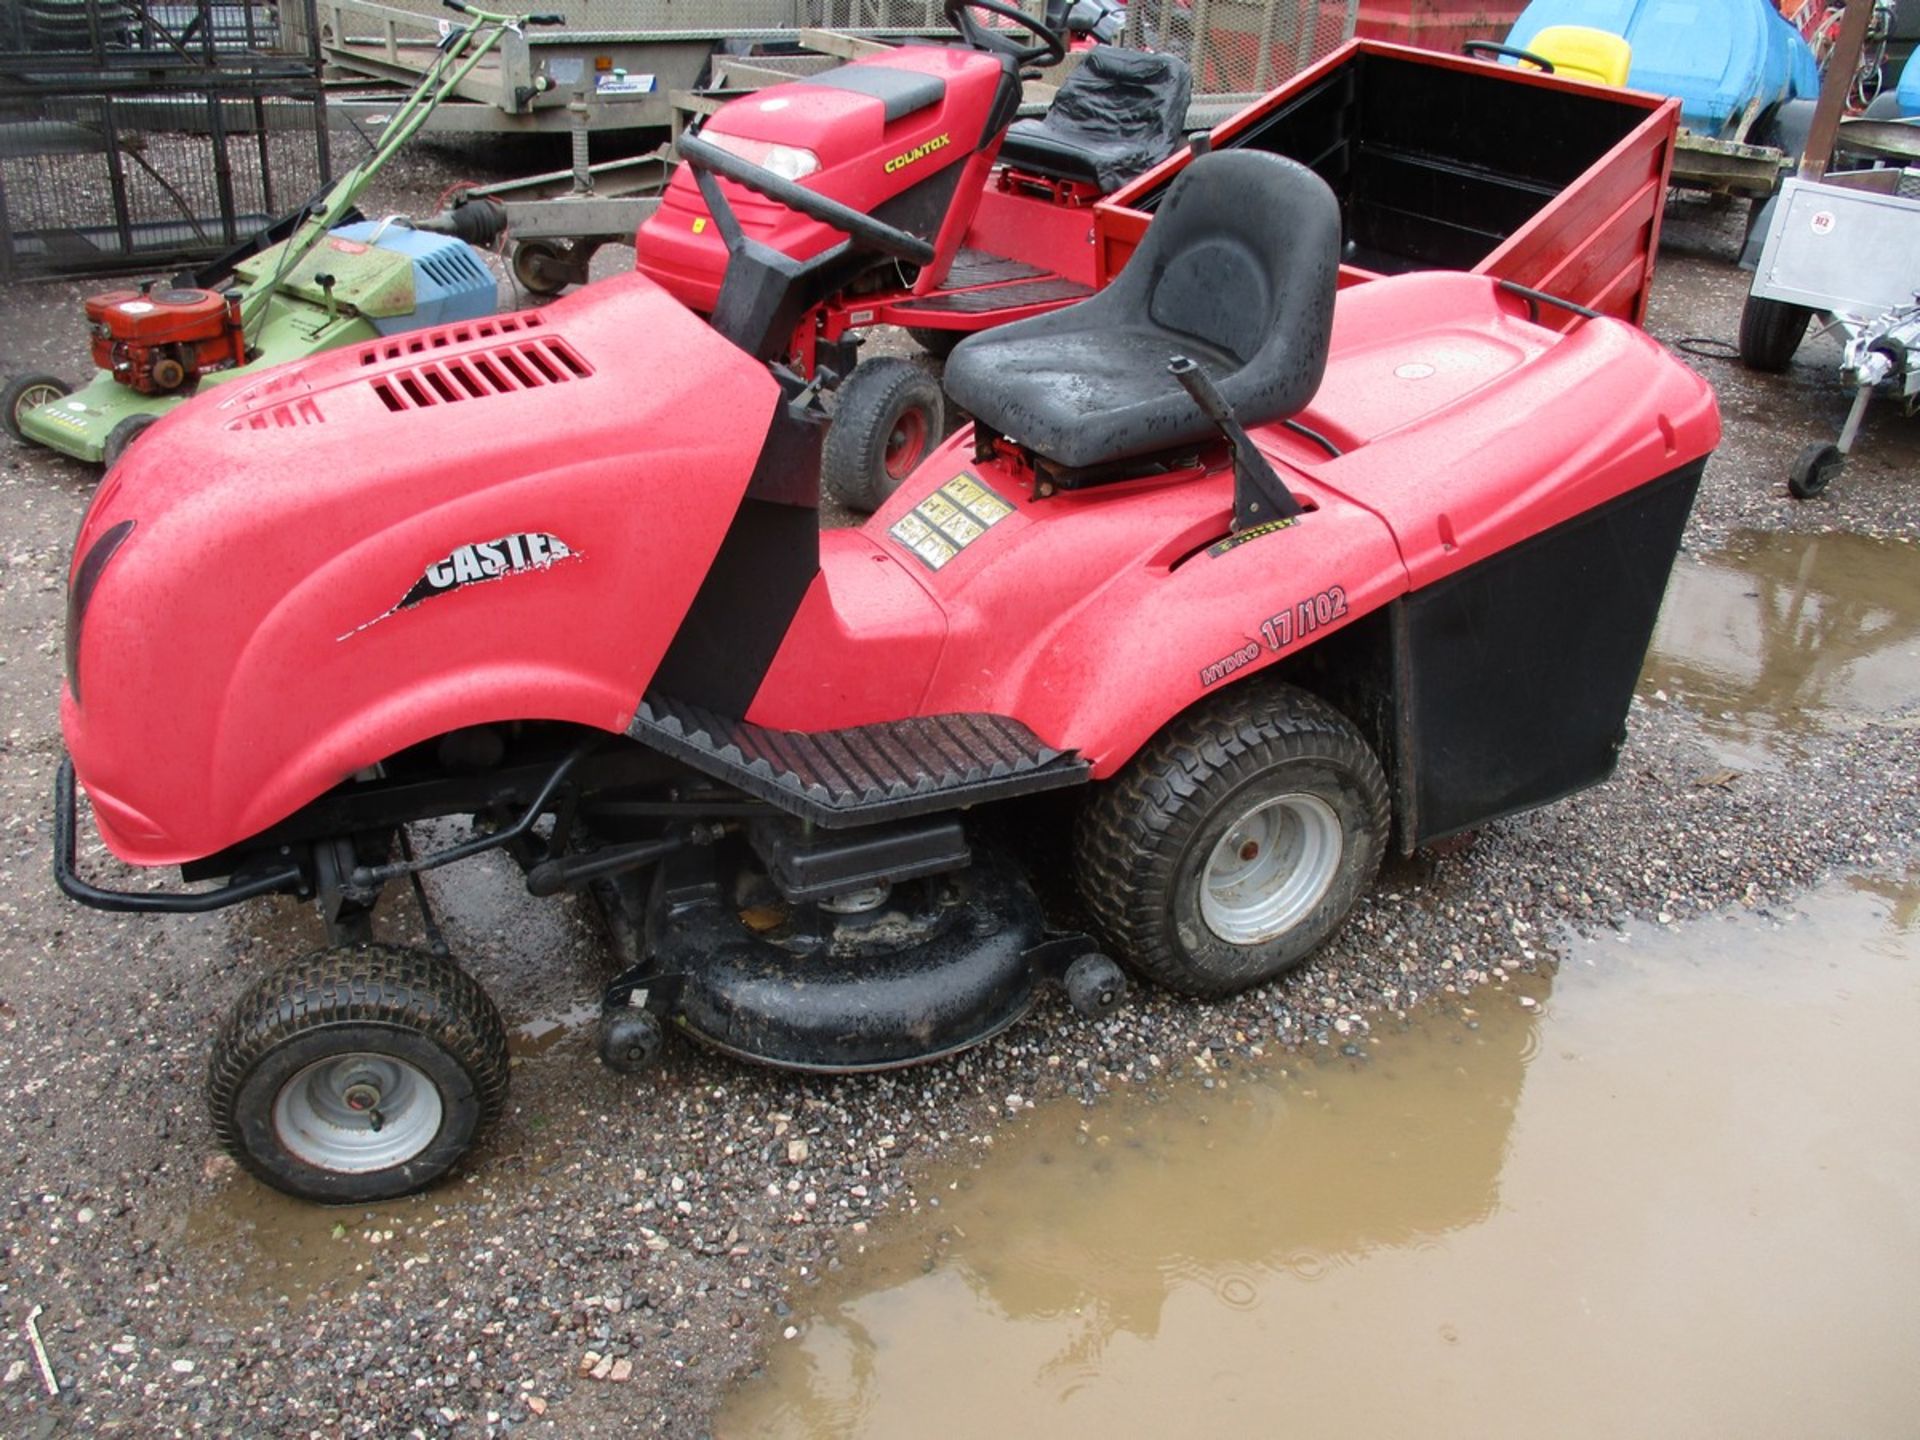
[1512, 52]
[1050, 51]
[708, 159]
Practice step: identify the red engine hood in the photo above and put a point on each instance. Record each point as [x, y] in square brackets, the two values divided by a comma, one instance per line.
[360, 551]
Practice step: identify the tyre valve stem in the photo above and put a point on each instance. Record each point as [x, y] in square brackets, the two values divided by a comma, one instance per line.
[375, 1120]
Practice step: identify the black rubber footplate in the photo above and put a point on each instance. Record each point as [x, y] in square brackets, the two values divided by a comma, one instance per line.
[983, 267]
[997, 297]
[867, 773]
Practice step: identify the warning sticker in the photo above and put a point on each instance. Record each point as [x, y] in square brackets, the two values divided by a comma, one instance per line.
[1235, 541]
[949, 520]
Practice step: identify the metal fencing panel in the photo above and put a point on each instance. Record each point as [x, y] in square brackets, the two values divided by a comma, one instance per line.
[96, 182]
[61, 42]
[1241, 46]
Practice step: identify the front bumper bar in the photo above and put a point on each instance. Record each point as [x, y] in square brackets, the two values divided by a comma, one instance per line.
[178, 902]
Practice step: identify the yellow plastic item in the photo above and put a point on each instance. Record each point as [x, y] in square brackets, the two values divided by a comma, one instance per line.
[1580, 52]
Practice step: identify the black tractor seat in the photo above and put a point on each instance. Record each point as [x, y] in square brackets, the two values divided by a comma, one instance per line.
[1237, 271]
[1120, 114]
[901, 92]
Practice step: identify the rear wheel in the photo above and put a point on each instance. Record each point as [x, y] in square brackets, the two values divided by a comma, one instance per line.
[357, 1073]
[1770, 331]
[122, 436]
[1236, 842]
[887, 419]
[29, 392]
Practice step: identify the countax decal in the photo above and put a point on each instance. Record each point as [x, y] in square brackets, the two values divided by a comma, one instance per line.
[478, 563]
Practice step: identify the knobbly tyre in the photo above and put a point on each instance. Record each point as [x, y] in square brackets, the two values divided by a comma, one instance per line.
[1252, 582]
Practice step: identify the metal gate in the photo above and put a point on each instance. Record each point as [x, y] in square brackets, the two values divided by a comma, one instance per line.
[136, 133]
[114, 181]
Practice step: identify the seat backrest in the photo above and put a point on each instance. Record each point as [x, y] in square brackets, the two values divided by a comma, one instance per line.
[1244, 256]
[1580, 52]
[1119, 94]
[1118, 115]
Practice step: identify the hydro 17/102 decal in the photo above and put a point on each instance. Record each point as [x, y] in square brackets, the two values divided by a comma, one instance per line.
[1280, 630]
[479, 562]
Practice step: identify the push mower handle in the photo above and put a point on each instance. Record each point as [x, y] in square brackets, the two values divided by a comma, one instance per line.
[465, 9]
[1488, 47]
[887, 239]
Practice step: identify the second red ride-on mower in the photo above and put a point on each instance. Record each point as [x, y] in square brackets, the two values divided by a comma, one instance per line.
[1228, 588]
[924, 137]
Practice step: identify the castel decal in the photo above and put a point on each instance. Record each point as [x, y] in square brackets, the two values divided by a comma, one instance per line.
[917, 153]
[478, 563]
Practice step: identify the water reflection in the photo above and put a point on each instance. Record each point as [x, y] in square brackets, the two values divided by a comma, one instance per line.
[1233, 1179]
[1088, 1225]
[1680, 1195]
[1778, 637]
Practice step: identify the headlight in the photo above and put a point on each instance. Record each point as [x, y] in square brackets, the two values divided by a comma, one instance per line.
[789, 162]
[80, 595]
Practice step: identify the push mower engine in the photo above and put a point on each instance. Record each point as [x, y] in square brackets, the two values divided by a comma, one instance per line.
[155, 341]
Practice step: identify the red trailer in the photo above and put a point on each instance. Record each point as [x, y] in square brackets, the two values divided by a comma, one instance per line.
[1446, 163]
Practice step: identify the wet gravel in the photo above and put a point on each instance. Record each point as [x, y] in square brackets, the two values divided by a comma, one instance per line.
[618, 1247]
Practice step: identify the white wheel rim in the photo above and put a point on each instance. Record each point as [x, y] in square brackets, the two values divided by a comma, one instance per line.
[34, 396]
[357, 1112]
[1270, 869]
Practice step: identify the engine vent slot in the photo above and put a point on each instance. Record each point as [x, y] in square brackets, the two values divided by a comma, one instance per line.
[455, 269]
[481, 374]
[419, 342]
[280, 417]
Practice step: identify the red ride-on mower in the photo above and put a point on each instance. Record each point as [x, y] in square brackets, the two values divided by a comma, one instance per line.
[912, 138]
[1248, 583]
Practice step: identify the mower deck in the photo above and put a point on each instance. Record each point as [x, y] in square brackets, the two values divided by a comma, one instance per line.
[897, 977]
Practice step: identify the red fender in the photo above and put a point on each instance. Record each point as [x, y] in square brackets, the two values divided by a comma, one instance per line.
[336, 588]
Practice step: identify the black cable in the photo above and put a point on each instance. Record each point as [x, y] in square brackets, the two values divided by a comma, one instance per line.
[1315, 436]
[1706, 347]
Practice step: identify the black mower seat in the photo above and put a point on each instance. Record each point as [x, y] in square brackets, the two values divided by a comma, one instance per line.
[901, 91]
[1120, 114]
[1237, 271]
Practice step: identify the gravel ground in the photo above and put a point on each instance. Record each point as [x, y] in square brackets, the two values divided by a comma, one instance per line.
[618, 1247]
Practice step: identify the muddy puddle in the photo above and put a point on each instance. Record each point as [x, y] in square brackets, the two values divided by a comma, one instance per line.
[1676, 1193]
[1778, 639]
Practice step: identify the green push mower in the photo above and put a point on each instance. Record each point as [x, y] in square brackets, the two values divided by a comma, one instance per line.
[326, 278]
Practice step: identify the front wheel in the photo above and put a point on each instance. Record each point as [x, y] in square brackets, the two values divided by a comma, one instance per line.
[887, 418]
[1236, 842]
[29, 392]
[358, 1073]
[541, 268]
[1813, 470]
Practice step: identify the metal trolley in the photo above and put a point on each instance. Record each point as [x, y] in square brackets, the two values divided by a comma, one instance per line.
[1846, 248]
